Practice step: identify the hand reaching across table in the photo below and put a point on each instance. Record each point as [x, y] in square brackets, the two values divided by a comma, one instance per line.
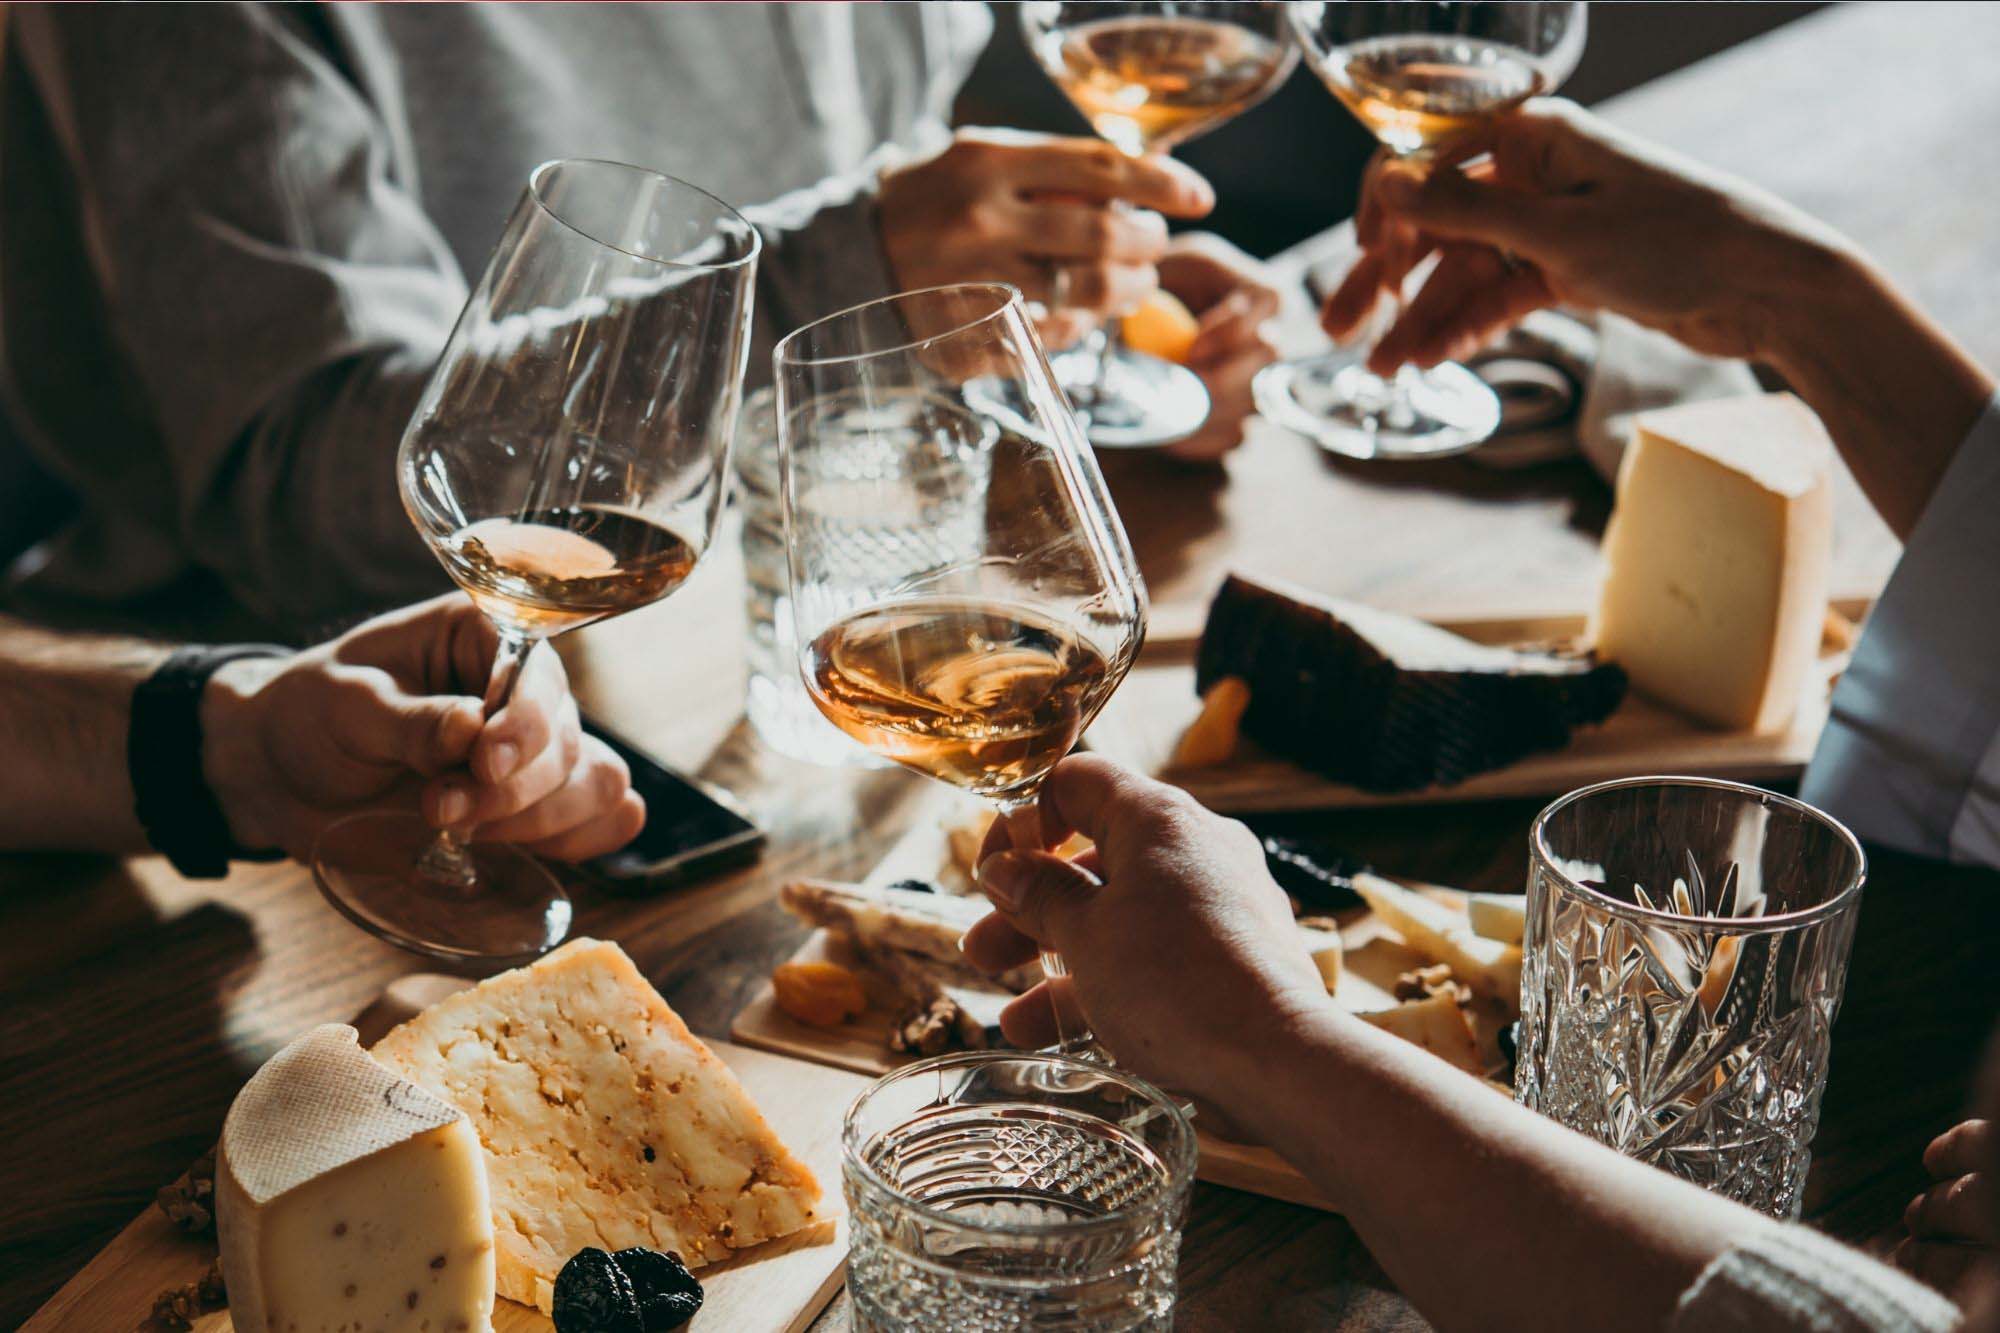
[1233, 299]
[1955, 1224]
[386, 715]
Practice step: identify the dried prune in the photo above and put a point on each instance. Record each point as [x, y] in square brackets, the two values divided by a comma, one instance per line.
[915, 886]
[1319, 876]
[668, 1294]
[594, 1295]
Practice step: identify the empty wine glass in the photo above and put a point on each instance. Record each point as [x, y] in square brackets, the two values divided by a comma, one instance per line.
[1149, 77]
[977, 662]
[566, 463]
[1417, 75]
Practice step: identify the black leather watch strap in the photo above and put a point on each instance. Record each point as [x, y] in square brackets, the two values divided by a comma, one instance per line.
[163, 754]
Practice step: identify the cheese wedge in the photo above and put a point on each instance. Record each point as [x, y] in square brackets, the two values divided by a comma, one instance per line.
[1498, 916]
[1717, 558]
[1325, 949]
[1486, 967]
[1438, 1025]
[348, 1198]
[605, 1122]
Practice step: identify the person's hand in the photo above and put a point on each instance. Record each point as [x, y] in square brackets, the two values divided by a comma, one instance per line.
[389, 715]
[1182, 949]
[1233, 298]
[1568, 211]
[1005, 206]
[1954, 1224]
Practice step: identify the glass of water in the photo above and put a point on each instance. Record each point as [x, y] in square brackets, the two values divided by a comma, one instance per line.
[996, 1190]
[938, 522]
[1686, 950]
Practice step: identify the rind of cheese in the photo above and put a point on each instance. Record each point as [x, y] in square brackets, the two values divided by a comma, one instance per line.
[605, 1121]
[1487, 967]
[1717, 558]
[1435, 1023]
[347, 1197]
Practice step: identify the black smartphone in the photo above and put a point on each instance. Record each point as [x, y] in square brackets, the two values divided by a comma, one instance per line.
[690, 831]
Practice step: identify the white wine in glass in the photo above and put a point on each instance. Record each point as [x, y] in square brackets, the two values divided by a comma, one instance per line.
[980, 663]
[565, 463]
[1148, 77]
[1418, 76]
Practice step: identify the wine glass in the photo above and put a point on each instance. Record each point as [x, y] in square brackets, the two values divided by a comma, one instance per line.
[979, 662]
[1148, 77]
[1417, 75]
[566, 463]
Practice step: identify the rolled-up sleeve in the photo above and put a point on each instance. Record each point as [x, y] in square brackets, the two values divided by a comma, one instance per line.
[1796, 1281]
[1910, 757]
[278, 295]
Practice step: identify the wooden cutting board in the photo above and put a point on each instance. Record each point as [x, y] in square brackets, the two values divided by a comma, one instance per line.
[1144, 720]
[776, 1288]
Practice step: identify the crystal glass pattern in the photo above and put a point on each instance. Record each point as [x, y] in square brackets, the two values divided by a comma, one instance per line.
[992, 1191]
[1686, 949]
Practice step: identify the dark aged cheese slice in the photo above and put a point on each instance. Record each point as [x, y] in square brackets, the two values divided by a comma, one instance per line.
[605, 1121]
[349, 1198]
[1386, 702]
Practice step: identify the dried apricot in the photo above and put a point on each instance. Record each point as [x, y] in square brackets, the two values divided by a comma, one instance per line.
[1211, 738]
[821, 995]
[1161, 326]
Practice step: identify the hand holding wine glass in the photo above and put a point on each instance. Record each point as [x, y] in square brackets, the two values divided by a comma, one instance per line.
[565, 464]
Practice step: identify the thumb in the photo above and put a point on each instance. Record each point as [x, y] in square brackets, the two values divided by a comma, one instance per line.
[1447, 202]
[1041, 893]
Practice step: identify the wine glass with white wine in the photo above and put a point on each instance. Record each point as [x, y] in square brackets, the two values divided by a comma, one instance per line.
[1417, 75]
[1149, 77]
[566, 463]
[979, 663]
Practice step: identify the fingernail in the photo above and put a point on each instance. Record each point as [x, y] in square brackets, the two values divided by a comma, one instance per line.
[1000, 878]
[506, 758]
[962, 939]
[455, 806]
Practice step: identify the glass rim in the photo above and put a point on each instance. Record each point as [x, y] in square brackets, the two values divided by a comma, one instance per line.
[727, 209]
[1541, 855]
[1009, 298]
[1180, 1170]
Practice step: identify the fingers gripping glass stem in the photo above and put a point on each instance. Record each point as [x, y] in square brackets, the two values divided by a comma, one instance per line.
[445, 861]
[1022, 817]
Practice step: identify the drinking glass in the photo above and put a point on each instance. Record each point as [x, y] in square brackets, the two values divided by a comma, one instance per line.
[566, 463]
[1417, 76]
[978, 661]
[993, 1191]
[1686, 948]
[1149, 77]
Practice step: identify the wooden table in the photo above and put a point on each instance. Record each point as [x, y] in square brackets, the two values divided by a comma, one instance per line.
[133, 1004]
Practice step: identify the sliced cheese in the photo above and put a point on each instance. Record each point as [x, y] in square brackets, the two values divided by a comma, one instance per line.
[1717, 558]
[1325, 949]
[1498, 916]
[1487, 967]
[1438, 1025]
[349, 1198]
[605, 1121]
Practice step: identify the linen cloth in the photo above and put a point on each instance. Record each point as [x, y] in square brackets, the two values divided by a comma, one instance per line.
[1798, 1281]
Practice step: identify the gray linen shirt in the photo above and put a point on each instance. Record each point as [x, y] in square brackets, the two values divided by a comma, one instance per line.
[233, 239]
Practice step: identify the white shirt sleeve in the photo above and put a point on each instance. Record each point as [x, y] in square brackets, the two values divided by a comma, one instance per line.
[1911, 754]
[1795, 1280]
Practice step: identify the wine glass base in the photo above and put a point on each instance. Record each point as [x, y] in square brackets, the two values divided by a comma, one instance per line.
[1135, 402]
[1337, 403]
[513, 911]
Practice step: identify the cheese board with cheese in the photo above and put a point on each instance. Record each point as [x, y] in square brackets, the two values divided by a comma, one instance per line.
[1712, 650]
[879, 982]
[479, 1142]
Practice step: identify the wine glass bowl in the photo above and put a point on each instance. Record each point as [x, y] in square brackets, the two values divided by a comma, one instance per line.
[565, 463]
[1417, 76]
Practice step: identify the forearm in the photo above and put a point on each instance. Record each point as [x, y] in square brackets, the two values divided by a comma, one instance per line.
[65, 703]
[1896, 392]
[1470, 1202]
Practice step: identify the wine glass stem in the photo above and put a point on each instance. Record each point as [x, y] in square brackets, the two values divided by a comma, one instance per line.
[1020, 811]
[446, 861]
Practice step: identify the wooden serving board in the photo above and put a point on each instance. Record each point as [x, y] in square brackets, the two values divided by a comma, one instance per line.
[775, 1288]
[1144, 720]
[1373, 958]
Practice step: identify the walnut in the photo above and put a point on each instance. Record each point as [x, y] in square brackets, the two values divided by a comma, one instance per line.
[178, 1308]
[1421, 983]
[936, 1027]
[189, 1202]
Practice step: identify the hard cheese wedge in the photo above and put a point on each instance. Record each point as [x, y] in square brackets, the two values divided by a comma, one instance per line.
[1717, 558]
[1487, 967]
[605, 1121]
[349, 1198]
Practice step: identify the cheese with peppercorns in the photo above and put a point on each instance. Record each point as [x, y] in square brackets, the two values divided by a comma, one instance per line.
[605, 1121]
[349, 1198]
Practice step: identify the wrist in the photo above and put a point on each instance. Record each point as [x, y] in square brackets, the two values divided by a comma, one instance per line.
[234, 758]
